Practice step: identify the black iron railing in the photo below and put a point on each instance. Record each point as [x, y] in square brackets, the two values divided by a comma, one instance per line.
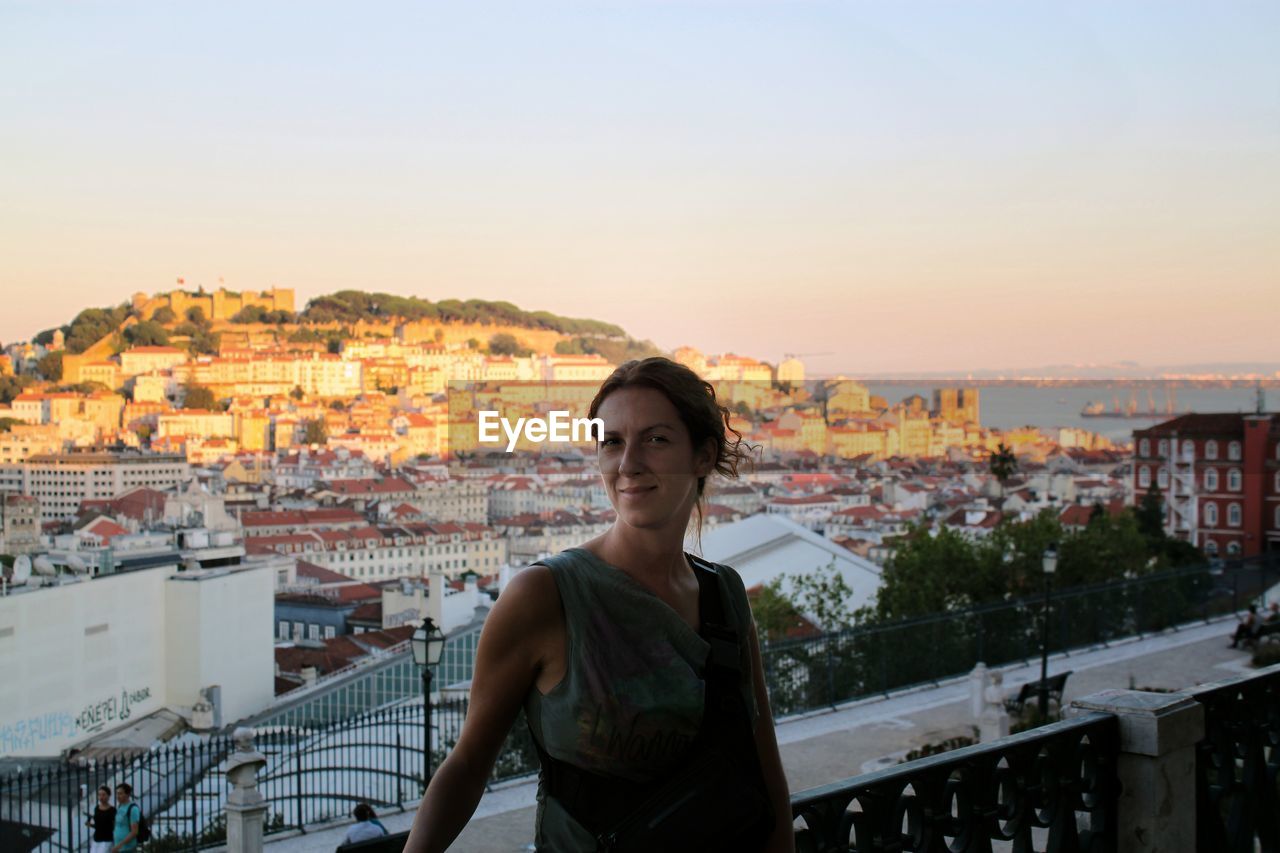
[878, 659]
[1237, 800]
[1053, 788]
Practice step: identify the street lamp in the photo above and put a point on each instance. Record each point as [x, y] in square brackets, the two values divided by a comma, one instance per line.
[428, 646]
[1050, 564]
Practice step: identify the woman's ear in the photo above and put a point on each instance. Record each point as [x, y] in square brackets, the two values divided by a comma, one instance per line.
[705, 459]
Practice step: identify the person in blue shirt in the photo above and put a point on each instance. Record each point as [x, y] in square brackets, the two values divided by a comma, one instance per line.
[128, 813]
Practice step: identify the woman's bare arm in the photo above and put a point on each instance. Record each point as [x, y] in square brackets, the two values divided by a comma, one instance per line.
[514, 644]
[783, 838]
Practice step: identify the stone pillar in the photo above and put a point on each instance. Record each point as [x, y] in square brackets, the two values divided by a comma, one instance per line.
[246, 807]
[1157, 766]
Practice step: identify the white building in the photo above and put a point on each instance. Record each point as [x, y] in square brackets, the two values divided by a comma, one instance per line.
[82, 656]
[62, 480]
[763, 547]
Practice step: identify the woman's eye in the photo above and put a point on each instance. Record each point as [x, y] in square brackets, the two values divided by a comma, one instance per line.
[658, 438]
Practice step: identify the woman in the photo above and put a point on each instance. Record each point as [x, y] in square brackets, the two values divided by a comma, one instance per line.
[601, 644]
[103, 821]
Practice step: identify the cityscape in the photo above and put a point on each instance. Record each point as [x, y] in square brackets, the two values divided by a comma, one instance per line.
[304, 321]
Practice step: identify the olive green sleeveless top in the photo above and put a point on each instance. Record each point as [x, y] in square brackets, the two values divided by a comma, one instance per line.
[630, 702]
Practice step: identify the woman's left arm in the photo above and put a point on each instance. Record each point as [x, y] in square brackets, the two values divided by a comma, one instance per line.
[783, 838]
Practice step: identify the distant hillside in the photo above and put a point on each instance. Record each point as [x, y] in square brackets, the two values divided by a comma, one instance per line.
[334, 317]
[352, 306]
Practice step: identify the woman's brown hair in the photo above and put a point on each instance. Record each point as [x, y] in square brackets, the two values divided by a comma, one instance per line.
[694, 398]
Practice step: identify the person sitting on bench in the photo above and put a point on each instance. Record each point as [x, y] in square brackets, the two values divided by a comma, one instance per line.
[1247, 627]
[366, 827]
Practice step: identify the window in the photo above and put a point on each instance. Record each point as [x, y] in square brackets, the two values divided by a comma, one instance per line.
[1276, 525]
[1211, 451]
[1188, 449]
[1211, 480]
[1233, 515]
[1163, 447]
[283, 629]
[1233, 548]
[328, 632]
[313, 632]
[1211, 548]
[1233, 450]
[298, 628]
[1211, 515]
[1162, 478]
[1233, 480]
[1144, 447]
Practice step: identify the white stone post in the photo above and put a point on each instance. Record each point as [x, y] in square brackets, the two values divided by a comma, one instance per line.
[246, 806]
[1156, 766]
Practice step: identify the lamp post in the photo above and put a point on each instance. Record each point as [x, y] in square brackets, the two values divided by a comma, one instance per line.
[428, 646]
[1050, 564]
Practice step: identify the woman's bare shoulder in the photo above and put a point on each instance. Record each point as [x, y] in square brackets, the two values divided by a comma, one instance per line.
[530, 599]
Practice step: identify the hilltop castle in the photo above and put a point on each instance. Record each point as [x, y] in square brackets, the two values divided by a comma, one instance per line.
[221, 304]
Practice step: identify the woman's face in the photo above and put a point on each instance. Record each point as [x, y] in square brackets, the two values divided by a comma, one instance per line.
[649, 465]
[104, 797]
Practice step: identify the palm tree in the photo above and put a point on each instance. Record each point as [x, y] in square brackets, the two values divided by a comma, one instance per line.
[1003, 465]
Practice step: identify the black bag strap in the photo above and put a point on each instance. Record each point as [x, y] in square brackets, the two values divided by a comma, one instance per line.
[589, 796]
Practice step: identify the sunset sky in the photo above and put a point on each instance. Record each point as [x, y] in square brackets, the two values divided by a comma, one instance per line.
[910, 186]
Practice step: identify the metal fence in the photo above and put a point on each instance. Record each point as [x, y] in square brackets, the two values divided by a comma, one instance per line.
[333, 748]
[1236, 802]
[1055, 786]
[823, 671]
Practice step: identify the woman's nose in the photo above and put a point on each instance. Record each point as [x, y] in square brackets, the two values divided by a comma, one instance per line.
[632, 460]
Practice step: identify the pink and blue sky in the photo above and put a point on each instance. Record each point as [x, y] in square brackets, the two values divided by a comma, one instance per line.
[909, 185]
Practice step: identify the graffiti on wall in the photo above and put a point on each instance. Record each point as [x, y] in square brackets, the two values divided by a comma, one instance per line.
[32, 733]
[42, 733]
[95, 716]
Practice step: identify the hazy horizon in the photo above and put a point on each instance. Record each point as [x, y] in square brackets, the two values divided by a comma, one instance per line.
[912, 188]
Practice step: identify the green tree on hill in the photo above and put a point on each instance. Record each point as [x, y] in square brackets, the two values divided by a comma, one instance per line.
[164, 314]
[148, 333]
[315, 431]
[50, 367]
[198, 397]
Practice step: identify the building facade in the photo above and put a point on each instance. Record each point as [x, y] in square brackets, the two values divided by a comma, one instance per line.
[1219, 477]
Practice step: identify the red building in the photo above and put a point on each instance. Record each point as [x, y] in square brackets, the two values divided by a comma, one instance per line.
[1220, 478]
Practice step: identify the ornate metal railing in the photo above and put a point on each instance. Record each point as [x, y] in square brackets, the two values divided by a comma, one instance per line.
[1053, 788]
[1237, 805]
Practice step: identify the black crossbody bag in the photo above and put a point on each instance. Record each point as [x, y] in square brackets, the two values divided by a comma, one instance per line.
[717, 801]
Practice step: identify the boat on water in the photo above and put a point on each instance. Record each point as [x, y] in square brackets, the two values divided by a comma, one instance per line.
[1096, 409]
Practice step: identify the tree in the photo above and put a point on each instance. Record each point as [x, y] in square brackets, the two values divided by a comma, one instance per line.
[250, 314]
[148, 333]
[12, 386]
[50, 367]
[7, 424]
[1004, 464]
[198, 397]
[297, 393]
[315, 431]
[774, 613]
[164, 314]
[1150, 514]
[504, 343]
[195, 316]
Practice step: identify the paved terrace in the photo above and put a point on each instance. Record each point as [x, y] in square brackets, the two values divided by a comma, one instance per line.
[826, 746]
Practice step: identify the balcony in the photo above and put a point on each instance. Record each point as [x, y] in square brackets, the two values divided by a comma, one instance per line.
[842, 731]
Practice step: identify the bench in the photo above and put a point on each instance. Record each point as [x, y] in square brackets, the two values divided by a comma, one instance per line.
[1031, 692]
[1267, 632]
[393, 843]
